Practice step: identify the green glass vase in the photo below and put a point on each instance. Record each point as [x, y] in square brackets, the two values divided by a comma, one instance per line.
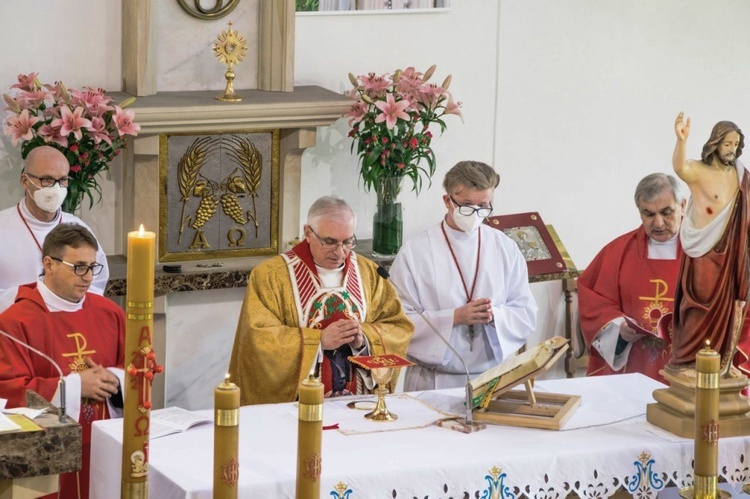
[387, 223]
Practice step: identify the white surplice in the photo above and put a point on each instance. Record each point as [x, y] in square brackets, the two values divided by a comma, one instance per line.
[425, 270]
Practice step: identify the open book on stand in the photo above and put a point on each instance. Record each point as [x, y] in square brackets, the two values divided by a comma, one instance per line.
[494, 401]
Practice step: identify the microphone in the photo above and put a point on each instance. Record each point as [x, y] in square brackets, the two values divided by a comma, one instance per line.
[382, 272]
[61, 383]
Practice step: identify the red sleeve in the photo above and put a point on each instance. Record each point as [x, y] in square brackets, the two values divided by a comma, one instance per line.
[17, 370]
[599, 288]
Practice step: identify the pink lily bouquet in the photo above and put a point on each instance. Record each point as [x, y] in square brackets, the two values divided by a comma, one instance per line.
[391, 120]
[84, 125]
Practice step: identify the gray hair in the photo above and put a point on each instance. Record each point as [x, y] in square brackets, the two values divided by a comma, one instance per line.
[330, 207]
[656, 183]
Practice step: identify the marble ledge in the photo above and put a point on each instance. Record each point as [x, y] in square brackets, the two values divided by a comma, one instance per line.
[201, 275]
[199, 111]
[194, 276]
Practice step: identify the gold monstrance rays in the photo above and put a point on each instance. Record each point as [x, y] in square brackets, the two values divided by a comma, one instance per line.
[230, 47]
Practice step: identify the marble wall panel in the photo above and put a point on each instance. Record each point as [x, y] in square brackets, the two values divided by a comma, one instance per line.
[200, 334]
[184, 48]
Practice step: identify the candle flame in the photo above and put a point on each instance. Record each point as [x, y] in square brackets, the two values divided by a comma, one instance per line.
[141, 232]
[226, 378]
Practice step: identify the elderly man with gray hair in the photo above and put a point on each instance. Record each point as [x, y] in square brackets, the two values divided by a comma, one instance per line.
[626, 294]
[316, 304]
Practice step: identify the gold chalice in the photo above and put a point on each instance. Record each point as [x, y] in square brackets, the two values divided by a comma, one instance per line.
[381, 368]
[382, 376]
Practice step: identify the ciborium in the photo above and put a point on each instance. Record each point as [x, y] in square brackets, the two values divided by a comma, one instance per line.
[382, 368]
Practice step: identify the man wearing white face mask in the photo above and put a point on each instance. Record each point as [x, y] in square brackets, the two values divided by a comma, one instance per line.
[471, 281]
[25, 225]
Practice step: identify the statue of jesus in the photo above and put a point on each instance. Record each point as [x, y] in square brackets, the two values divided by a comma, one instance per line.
[712, 292]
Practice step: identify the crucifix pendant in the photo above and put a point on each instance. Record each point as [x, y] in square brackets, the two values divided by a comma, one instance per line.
[471, 337]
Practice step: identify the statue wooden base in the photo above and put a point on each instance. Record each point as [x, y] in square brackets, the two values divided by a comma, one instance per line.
[674, 409]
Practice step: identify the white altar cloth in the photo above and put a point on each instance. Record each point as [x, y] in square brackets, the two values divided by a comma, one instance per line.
[607, 444]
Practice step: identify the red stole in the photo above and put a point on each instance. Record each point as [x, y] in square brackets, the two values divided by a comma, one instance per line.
[317, 307]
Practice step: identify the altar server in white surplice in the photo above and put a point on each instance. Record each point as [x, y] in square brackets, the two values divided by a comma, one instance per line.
[25, 225]
[471, 281]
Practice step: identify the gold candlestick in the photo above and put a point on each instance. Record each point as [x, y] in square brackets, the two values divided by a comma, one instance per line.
[226, 440]
[705, 485]
[230, 48]
[142, 367]
[309, 438]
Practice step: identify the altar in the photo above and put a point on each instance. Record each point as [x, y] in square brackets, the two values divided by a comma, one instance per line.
[606, 446]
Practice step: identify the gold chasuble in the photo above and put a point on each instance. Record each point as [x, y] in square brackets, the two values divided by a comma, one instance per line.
[284, 311]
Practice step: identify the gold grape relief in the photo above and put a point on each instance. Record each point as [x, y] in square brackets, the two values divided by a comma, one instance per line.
[237, 192]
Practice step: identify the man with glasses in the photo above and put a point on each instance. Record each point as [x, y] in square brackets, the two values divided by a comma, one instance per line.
[313, 307]
[25, 225]
[82, 332]
[472, 283]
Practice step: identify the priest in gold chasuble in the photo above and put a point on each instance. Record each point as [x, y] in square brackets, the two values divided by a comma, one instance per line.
[318, 303]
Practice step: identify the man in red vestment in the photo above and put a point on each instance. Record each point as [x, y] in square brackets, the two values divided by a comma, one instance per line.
[83, 332]
[626, 295]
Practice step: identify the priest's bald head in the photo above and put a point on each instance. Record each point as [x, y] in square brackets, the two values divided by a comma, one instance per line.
[45, 181]
[661, 206]
[330, 231]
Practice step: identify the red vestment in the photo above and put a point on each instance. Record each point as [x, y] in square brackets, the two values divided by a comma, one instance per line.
[623, 281]
[710, 287]
[97, 331]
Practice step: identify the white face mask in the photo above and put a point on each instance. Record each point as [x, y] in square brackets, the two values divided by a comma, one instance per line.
[467, 223]
[50, 199]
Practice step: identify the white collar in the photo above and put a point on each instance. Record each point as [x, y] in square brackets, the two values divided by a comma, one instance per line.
[54, 303]
[35, 222]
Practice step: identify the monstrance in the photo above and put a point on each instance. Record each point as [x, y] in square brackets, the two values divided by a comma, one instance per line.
[381, 367]
[230, 47]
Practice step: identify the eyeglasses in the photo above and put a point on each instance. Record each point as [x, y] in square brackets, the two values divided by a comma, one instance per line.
[49, 181]
[467, 210]
[330, 244]
[82, 270]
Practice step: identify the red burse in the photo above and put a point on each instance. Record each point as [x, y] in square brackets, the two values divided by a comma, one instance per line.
[528, 231]
[374, 361]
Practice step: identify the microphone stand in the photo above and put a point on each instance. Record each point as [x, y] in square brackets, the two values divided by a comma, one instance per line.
[60, 383]
[382, 272]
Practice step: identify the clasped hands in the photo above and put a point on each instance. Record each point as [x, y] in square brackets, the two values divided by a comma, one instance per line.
[342, 332]
[97, 382]
[477, 311]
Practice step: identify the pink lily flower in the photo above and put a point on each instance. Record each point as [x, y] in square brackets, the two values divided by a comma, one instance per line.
[453, 107]
[356, 113]
[26, 82]
[13, 103]
[71, 122]
[20, 127]
[99, 130]
[392, 111]
[124, 122]
[374, 86]
[36, 98]
[52, 134]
